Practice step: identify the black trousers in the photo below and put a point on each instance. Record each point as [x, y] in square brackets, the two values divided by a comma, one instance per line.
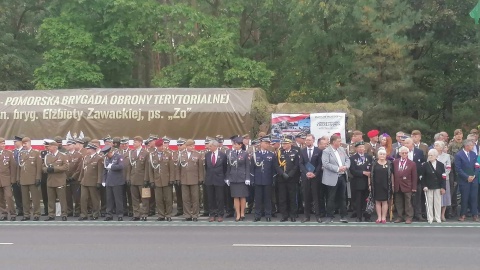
[216, 200]
[418, 201]
[114, 200]
[287, 201]
[251, 197]
[228, 200]
[103, 200]
[206, 207]
[263, 200]
[360, 201]
[322, 198]
[178, 193]
[310, 194]
[17, 194]
[43, 187]
[337, 193]
[127, 199]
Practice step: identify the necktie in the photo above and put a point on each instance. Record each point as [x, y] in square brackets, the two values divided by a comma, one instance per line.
[361, 158]
[213, 159]
[402, 164]
[309, 154]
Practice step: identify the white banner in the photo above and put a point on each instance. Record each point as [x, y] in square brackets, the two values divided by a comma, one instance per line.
[327, 124]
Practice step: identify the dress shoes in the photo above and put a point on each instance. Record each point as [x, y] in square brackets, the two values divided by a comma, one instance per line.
[220, 219]
[36, 218]
[144, 218]
[25, 219]
[3, 218]
[82, 218]
[120, 218]
[268, 219]
[169, 219]
[64, 218]
[283, 219]
[256, 219]
[211, 219]
[293, 219]
[13, 218]
[188, 219]
[108, 218]
[160, 219]
[135, 219]
[50, 219]
[195, 219]
[305, 220]
[93, 218]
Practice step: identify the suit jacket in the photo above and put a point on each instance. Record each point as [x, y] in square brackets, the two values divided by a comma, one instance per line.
[405, 179]
[424, 147]
[263, 168]
[8, 169]
[330, 165]
[138, 167]
[432, 179]
[59, 162]
[215, 174]
[75, 161]
[418, 158]
[30, 167]
[315, 160]
[238, 169]
[190, 170]
[114, 176]
[161, 170]
[91, 171]
[359, 181]
[289, 164]
[465, 166]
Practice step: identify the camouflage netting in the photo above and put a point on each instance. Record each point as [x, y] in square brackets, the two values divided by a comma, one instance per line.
[262, 111]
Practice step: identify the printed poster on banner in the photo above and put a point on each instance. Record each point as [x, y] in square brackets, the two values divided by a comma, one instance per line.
[327, 124]
[290, 124]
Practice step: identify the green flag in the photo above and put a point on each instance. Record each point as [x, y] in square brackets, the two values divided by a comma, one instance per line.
[475, 13]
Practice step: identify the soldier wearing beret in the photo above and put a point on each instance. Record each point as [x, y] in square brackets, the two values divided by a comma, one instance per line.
[372, 147]
[114, 181]
[8, 172]
[137, 177]
[162, 175]
[29, 177]
[91, 174]
[191, 175]
[56, 165]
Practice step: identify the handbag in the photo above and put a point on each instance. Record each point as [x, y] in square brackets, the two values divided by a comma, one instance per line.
[146, 193]
[370, 204]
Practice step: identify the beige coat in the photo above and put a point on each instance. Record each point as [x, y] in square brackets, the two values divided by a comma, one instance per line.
[91, 171]
[59, 162]
[190, 169]
[161, 170]
[30, 167]
[8, 168]
[138, 167]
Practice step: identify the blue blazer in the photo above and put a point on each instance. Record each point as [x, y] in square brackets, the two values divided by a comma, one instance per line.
[464, 166]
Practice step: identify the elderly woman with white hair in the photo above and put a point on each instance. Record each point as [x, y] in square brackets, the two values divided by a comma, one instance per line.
[444, 158]
[381, 184]
[433, 183]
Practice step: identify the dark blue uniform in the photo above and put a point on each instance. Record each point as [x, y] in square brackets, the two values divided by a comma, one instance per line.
[114, 181]
[263, 172]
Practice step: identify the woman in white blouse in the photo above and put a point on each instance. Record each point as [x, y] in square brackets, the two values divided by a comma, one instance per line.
[444, 158]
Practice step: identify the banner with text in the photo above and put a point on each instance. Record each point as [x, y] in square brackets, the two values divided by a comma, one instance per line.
[183, 112]
[327, 124]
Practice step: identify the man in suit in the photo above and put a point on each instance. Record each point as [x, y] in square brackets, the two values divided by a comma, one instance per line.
[467, 167]
[29, 177]
[8, 173]
[474, 137]
[405, 184]
[360, 165]
[17, 190]
[335, 168]
[263, 173]
[90, 178]
[416, 155]
[311, 175]
[215, 180]
[113, 180]
[56, 165]
[137, 176]
[191, 174]
[226, 189]
[162, 175]
[417, 142]
[399, 143]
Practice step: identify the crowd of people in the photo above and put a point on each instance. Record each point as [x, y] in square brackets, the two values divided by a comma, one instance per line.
[402, 181]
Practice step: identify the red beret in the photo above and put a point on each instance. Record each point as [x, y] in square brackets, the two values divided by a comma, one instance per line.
[158, 142]
[373, 133]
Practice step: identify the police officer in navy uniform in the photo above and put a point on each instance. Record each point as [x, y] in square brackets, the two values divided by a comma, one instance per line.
[287, 179]
[263, 173]
[114, 181]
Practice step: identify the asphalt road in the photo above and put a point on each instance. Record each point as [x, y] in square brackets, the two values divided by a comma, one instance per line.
[229, 245]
